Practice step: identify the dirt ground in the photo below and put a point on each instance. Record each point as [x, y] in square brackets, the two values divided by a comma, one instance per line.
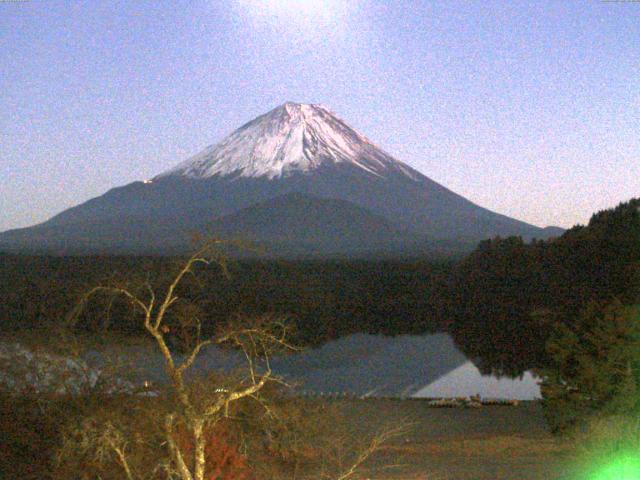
[487, 443]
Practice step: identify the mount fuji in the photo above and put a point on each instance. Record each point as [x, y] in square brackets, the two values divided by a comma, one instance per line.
[297, 179]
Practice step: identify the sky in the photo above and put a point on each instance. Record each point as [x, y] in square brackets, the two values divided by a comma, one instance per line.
[528, 108]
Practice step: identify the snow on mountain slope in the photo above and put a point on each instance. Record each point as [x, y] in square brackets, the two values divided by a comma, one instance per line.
[290, 138]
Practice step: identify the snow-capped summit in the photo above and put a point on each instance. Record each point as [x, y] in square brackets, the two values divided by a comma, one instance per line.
[291, 138]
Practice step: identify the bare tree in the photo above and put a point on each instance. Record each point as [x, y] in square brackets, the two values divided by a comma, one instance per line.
[257, 340]
[197, 409]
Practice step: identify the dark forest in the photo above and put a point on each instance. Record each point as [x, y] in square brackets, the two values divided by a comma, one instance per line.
[499, 303]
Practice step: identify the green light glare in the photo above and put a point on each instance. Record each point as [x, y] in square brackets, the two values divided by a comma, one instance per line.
[622, 468]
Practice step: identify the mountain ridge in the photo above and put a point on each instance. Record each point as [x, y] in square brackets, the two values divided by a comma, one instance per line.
[294, 148]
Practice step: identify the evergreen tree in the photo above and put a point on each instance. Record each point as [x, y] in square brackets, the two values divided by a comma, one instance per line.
[594, 366]
[494, 294]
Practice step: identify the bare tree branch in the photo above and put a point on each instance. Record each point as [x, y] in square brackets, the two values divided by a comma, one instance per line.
[191, 414]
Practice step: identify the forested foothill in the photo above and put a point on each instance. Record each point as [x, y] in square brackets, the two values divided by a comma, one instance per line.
[501, 302]
[325, 299]
[508, 296]
[567, 308]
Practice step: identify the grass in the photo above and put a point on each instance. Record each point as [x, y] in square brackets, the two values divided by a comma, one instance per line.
[488, 443]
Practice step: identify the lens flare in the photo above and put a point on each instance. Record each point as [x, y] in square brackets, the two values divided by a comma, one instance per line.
[626, 467]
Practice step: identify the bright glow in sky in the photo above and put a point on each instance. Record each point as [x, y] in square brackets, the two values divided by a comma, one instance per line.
[529, 108]
[314, 22]
[309, 12]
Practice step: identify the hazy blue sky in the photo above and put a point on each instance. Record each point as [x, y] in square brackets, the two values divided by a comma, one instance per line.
[529, 108]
